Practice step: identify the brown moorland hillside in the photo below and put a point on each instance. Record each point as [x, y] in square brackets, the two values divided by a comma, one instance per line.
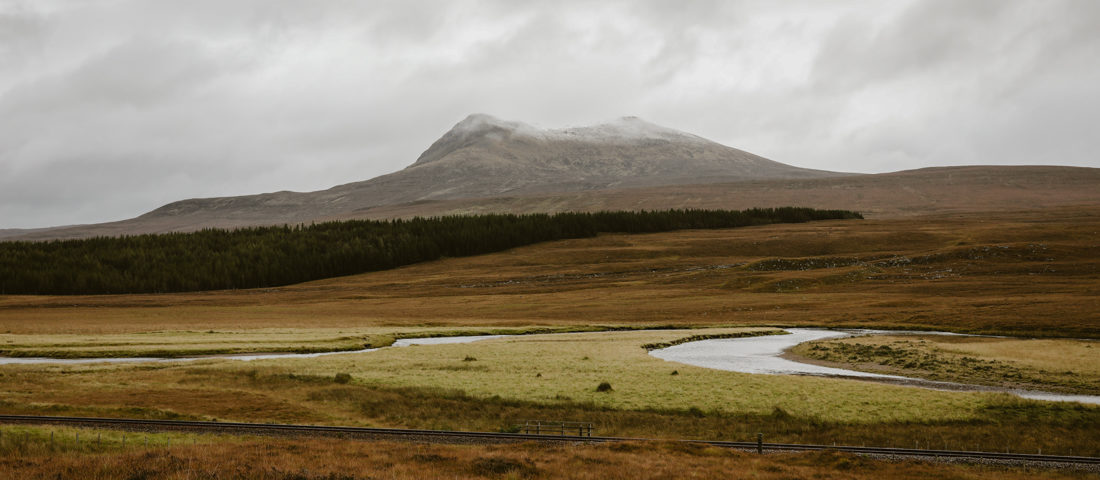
[927, 191]
[1031, 272]
[888, 195]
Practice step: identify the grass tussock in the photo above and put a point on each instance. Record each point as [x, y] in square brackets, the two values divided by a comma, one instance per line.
[342, 378]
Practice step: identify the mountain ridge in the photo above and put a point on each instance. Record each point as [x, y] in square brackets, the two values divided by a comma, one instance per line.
[485, 156]
[488, 165]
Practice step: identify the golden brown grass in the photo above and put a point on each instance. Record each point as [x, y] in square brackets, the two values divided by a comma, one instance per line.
[183, 343]
[534, 368]
[174, 344]
[332, 459]
[494, 384]
[1032, 272]
[1045, 364]
[548, 368]
[31, 440]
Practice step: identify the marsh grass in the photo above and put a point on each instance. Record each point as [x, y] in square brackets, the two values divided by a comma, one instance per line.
[434, 387]
[1071, 366]
[31, 440]
[572, 365]
[172, 344]
[710, 336]
[332, 459]
[178, 344]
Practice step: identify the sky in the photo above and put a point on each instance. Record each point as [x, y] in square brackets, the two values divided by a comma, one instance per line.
[109, 109]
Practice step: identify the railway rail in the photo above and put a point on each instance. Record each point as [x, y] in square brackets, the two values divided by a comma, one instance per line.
[445, 436]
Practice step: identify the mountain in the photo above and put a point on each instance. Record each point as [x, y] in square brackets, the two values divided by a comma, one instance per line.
[485, 164]
[483, 156]
[926, 191]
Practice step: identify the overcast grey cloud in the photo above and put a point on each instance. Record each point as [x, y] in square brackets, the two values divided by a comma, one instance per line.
[112, 108]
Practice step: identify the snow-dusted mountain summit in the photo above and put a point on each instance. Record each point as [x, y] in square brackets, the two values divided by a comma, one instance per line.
[483, 156]
[486, 157]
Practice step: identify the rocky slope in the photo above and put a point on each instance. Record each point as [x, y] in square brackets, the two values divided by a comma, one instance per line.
[483, 156]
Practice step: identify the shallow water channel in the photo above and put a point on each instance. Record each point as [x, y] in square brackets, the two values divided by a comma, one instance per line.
[757, 355]
[404, 342]
[763, 355]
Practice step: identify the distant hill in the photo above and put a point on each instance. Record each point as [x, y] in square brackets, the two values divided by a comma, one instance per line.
[938, 190]
[488, 165]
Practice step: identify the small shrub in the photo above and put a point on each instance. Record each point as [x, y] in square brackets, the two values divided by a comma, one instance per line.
[431, 458]
[628, 447]
[604, 387]
[675, 372]
[501, 466]
[342, 378]
[469, 359]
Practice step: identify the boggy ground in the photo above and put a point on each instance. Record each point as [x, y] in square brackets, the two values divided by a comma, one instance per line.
[331, 459]
[1060, 365]
[493, 385]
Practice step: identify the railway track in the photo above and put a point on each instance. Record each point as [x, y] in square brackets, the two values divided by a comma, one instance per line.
[444, 436]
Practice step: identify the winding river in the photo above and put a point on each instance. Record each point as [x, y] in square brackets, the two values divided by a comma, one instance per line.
[756, 355]
[763, 355]
[404, 342]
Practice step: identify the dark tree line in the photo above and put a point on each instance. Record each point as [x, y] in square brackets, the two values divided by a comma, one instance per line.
[271, 256]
